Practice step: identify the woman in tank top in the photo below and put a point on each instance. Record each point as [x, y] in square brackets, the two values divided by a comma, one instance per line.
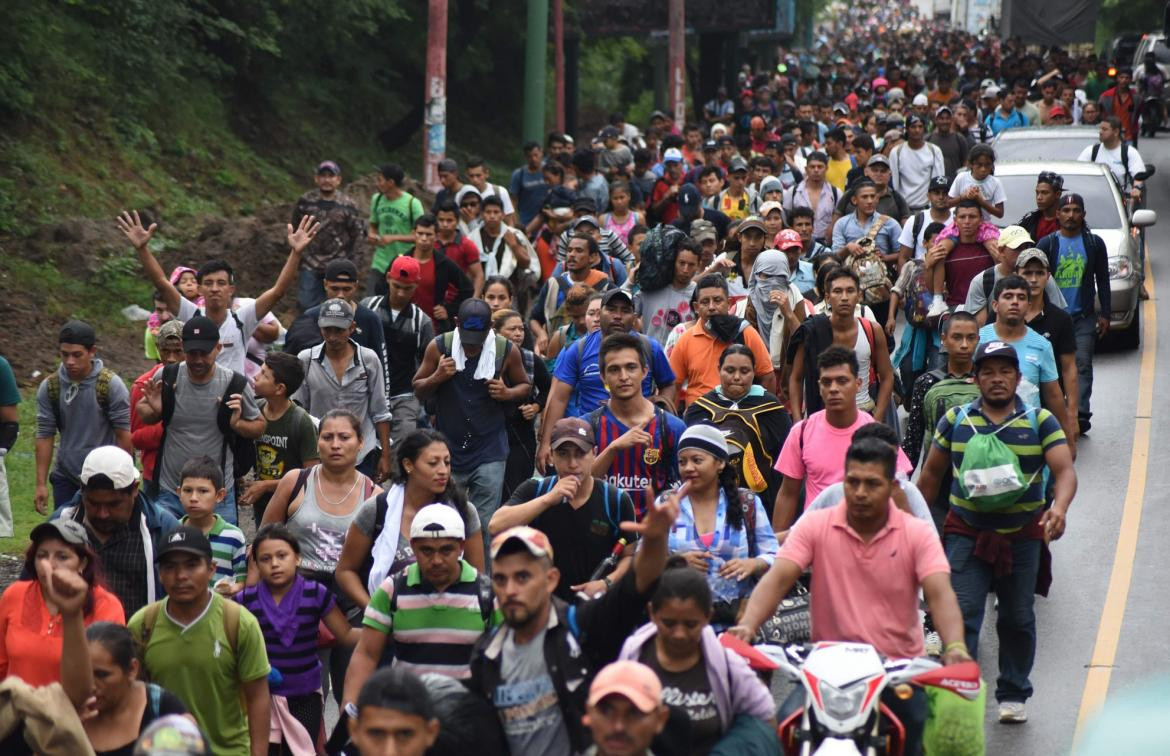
[318, 503]
[622, 219]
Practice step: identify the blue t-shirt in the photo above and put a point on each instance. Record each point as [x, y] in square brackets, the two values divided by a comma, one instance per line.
[528, 191]
[1037, 363]
[1071, 263]
[578, 366]
[633, 470]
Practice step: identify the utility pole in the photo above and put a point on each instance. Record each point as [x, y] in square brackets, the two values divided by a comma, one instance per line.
[677, 77]
[435, 94]
[558, 9]
[536, 56]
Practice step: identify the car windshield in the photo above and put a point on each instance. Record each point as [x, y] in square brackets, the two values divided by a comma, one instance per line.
[1100, 204]
[1043, 146]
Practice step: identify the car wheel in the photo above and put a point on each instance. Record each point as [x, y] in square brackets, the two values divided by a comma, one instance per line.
[1131, 337]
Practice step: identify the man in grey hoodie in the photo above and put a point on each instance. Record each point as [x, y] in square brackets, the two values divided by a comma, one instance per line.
[85, 403]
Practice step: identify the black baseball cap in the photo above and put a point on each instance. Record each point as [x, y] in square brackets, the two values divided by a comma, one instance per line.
[77, 332]
[341, 270]
[939, 182]
[184, 539]
[200, 334]
[997, 350]
[475, 320]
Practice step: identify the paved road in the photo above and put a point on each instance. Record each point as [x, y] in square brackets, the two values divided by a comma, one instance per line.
[1083, 561]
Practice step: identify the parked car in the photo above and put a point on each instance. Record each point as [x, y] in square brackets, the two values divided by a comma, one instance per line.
[1105, 214]
[1122, 48]
[1043, 143]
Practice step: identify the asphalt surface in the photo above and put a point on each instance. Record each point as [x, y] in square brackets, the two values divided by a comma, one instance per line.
[1068, 620]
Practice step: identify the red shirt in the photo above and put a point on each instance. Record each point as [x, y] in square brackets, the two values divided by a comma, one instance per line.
[670, 211]
[146, 438]
[1045, 226]
[424, 295]
[460, 249]
[966, 260]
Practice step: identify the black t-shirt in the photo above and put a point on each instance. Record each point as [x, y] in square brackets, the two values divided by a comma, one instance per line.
[581, 538]
[689, 691]
[1056, 325]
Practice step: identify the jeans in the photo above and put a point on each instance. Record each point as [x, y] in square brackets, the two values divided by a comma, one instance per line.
[310, 289]
[910, 712]
[169, 500]
[64, 488]
[1015, 624]
[483, 485]
[1085, 328]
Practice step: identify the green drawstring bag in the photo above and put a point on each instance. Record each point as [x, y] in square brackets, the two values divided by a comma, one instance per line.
[990, 473]
[954, 725]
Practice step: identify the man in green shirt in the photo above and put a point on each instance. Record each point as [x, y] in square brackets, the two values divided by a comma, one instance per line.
[206, 650]
[392, 215]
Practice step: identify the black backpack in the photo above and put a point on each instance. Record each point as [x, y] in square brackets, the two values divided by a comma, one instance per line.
[659, 248]
[243, 449]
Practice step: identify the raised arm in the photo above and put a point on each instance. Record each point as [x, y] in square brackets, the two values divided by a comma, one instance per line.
[130, 224]
[298, 239]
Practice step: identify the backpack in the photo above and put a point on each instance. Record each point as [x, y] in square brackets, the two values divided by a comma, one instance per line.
[870, 268]
[989, 475]
[101, 386]
[416, 316]
[483, 587]
[741, 429]
[1124, 160]
[659, 248]
[243, 449]
[917, 298]
[947, 392]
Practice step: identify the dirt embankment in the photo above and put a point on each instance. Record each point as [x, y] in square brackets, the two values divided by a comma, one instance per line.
[90, 253]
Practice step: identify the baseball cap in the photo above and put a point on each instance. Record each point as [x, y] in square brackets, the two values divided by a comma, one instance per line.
[737, 164]
[689, 200]
[1028, 255]
[943, 109]
[77, 332]
[1072, 198]
[631, 680]
[769, 206]
[878, 158]
[328, 166]
[184, 539]
[992, 91]
[572, 430]
[609, 132]
[532, 540]
[584, 204]
[335, 313]
[987, 83]
[200, 334]
[788, 239]
[475, 320]
[612, 294]
[341, 270]
[111, 462]
[585, 220]
[880, 81]
[1053, 179]
[841, 108]
[437, 521]
[750, 222]
[914, 120]
[658, 114]
[920, 100]
[69, 531]
[673, 155]
[170, 333]
[702, 229]
[725, 139]
[710, 145]
[939, 182]
[1013, 236]
[405, 269]
[997, 350]
[1057, 110]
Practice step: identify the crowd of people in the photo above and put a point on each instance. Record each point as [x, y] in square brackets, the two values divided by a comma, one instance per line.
[563, 432]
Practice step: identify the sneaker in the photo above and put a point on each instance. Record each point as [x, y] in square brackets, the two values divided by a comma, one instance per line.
[933, 644]
[938, 308]
[1012, 712]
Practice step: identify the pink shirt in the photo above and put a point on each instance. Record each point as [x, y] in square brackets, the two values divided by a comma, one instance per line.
[866, 592]
[815, 452]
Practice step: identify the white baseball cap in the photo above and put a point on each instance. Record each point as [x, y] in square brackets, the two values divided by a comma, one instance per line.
[112, 462]
[437, 521]
[920, 100]
[673, 155]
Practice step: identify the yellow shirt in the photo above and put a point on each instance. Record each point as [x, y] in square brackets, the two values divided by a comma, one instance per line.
[837, 172]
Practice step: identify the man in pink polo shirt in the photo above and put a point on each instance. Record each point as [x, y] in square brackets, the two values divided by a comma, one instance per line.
[814, 451]
[868, 561]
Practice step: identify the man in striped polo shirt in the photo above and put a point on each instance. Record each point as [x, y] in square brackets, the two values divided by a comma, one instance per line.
[1000, 544]
[435, 610]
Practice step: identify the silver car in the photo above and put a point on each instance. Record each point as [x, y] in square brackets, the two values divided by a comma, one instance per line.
[1105, 214]
[1043, 143]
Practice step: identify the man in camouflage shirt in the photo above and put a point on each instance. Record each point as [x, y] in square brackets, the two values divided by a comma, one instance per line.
[342, 228]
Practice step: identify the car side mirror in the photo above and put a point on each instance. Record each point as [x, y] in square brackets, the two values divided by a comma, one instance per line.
[1144, 217]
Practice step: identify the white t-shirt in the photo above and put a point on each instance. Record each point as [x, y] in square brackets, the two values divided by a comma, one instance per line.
[234, 343]
[1112, 158]
[908, 239]
[911, 170]
[989, 187]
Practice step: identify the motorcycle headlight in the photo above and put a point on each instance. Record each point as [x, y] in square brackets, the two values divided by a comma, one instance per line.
[842, 704]
[1119, 267]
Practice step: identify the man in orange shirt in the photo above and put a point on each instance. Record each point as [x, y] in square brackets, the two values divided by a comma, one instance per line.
[695, 359]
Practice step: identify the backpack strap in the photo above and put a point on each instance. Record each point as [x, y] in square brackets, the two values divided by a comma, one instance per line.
[298, 486]
[168, 377]
[571, 621]
[545, 485]
[102, 386]
[1125, 162]
[231, 623]
[867, 328]
[149, 620]
[988, 285]
[919, 222]
[54, 380]
[1093, 154]
[223, 415]
[487, 598]
[155, 694]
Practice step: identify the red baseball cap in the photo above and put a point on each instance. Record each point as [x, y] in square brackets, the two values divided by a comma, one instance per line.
[787, 238]
[405, 269]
